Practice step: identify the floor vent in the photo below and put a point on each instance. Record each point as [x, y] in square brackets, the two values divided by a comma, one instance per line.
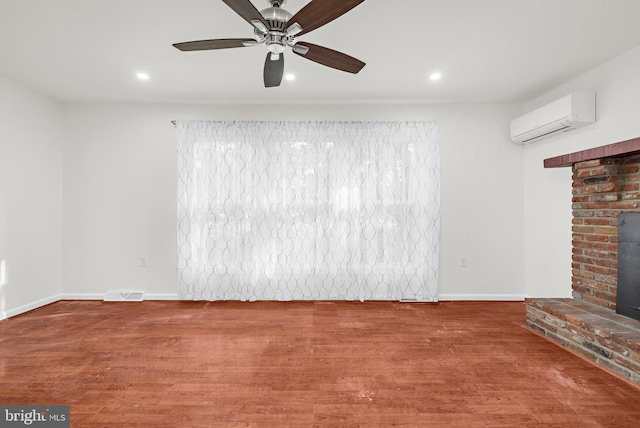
[411, 300]
[124, 296]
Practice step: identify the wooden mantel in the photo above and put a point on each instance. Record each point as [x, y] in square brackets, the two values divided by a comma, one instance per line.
[616, 150]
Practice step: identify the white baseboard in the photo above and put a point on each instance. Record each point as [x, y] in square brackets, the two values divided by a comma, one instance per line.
[81, 296]
[75, 296]
[174, 296]
[100, 296]
[482, 297]
[161, 296]
[28, 307]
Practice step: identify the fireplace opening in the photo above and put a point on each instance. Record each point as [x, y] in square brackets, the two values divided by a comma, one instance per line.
[628, 295]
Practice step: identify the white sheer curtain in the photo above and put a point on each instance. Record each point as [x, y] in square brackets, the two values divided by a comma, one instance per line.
[308, 210]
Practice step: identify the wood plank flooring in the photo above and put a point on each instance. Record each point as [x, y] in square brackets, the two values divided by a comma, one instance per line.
[303, 364]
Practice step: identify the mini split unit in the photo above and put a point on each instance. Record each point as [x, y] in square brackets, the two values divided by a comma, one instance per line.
[573, 111]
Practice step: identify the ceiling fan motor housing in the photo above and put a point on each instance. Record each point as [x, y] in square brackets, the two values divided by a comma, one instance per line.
[277, 18]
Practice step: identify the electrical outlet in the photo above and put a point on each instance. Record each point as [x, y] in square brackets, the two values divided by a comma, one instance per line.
[463, 261]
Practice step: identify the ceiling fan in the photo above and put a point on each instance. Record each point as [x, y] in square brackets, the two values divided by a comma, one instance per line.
[279, 29]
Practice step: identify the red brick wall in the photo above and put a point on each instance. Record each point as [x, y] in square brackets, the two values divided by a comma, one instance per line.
[602, 189]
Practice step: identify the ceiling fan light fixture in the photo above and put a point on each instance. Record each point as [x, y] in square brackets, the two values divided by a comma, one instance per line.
[275, 48]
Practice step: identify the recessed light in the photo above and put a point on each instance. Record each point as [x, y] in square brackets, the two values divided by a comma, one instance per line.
[435, 76]
[290, 77]
[142, 76]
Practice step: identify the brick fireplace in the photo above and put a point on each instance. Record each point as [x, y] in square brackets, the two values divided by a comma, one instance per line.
[605, 183]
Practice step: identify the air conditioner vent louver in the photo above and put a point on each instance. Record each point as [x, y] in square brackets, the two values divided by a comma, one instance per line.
[565, 114]
[548, 134]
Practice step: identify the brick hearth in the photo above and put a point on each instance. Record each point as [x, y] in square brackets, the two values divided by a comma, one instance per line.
[594, 332]
[606, 182]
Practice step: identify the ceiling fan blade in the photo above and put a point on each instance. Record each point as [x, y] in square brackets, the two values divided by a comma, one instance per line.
[273, 71]
[328, 57]
[249, 13]
[205, 45]
[320, 12]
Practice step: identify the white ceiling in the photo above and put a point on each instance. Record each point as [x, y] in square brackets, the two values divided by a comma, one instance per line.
[488, 50]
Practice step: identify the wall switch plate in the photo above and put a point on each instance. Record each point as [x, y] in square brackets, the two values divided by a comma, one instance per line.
[463, 261]
[143, 261]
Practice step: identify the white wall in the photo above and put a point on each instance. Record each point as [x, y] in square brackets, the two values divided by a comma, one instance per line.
[31, 128]
[119, 189]
[548, 191]
[120, 193]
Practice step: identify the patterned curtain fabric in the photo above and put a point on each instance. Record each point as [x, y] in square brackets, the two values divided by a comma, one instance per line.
[308, 210]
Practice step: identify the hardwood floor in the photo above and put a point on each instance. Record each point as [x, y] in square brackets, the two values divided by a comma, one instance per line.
[303, 364]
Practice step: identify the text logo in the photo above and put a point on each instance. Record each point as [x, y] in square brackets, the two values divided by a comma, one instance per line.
[34, 416]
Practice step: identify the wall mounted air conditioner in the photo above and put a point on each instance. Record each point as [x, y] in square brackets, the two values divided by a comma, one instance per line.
[570, 112]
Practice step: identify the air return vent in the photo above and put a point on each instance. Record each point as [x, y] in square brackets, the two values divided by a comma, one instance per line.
[124, 296]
